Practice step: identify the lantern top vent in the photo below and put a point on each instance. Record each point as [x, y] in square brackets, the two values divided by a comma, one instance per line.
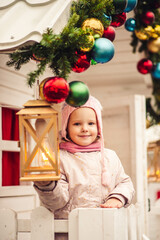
[33, 107]
[36, 103]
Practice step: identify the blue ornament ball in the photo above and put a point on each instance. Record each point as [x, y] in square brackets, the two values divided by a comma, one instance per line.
[156, 71]
[131, 4]
[130, 24]
[103, 50]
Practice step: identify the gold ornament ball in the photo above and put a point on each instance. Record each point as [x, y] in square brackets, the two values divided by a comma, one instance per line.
[154, 45]
[141, 35]
[95, 25]
[150, 32]
[154, 35]
[41, 89]
[157, 29]
[91, 40]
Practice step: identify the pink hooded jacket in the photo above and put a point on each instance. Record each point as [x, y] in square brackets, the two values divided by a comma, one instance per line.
[81, 184]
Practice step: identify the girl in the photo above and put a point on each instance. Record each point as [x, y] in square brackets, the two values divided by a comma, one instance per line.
[91, 176]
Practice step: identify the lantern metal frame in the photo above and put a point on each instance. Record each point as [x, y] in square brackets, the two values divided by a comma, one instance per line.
[38, 109]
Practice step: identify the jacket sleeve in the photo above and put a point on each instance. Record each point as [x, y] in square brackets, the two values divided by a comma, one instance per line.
[55, 195]
[124, 189]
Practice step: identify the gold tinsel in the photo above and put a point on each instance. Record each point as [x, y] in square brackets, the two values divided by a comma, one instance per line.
[141, 34]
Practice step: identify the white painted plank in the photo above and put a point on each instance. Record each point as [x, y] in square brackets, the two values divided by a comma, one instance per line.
[8, 224]
[22, 199]
[42, 224]
[15, 80]
[61, 226]
[73, 225]
[115, 224]
[90, 224]
[24, 225]
[10, 146]
[17, 191]
[132, 225]
[15, 99]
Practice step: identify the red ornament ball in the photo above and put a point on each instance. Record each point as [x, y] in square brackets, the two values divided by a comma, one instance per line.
[145, 66]
[118, 19]
[109, 33]
[148, 18]
[55, 89]
[83, 62]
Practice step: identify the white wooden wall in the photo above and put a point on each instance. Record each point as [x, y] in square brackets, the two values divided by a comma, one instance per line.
[13, 94]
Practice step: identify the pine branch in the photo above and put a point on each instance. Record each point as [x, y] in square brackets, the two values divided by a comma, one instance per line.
[58, 51]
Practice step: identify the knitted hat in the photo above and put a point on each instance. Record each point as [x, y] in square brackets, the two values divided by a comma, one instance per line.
[94, 104]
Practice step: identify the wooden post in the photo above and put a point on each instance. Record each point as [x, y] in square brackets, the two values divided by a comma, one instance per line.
[8, 224]
[115, 224]
[42, 224]
[132, 223]
[93, 224]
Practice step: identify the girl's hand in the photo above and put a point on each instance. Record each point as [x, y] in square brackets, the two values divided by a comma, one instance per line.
[112, 203]
[42, 183]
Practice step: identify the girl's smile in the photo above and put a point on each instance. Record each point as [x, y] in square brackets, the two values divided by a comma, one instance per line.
[82, 126]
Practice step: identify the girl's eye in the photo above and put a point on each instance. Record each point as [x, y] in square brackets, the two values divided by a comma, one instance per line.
[91, 123]
[76, 124]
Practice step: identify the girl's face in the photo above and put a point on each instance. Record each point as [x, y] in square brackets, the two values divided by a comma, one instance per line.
[82, 126]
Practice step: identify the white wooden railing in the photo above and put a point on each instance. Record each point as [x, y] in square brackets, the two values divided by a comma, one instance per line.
[83, 224]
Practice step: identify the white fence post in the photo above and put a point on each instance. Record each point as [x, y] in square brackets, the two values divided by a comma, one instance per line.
[8, 224]
[93, 224]
[42, 224]
[132, 223]
[115, 224]
[85, 224]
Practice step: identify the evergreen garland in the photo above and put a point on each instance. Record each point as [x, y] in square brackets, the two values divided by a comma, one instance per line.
[152, 110]
[57, 51]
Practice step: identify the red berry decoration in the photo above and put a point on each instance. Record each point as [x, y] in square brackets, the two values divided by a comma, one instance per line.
[118, 19]
[55, 89]
[148, 18]
[145, 66]
[82, 64]
[109, 33]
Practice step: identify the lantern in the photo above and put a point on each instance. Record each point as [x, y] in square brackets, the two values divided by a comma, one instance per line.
[153, 158]
[39, 146]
